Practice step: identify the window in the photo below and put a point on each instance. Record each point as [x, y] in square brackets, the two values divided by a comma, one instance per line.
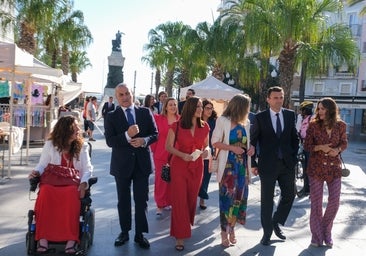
[332, 89]
[318, 88]
[345, 88]
[364, 47]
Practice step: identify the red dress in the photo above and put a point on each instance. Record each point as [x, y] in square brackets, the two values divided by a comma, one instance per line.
[57, 212]
[186, 178]
[161, 191]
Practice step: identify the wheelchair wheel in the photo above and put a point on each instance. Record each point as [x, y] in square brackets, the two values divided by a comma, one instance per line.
[84, 243]
[30, 237]
[31, 243]
[91, 225]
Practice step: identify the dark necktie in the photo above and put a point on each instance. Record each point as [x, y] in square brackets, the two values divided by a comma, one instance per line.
[130, 119]
[278, 133]
[278, 126]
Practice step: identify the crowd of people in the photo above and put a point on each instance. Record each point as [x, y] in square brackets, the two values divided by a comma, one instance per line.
[186, 136]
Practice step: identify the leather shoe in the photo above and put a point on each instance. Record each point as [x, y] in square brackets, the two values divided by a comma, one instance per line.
[265, 240]
[121, 239]
[278, 231]
[142, 241]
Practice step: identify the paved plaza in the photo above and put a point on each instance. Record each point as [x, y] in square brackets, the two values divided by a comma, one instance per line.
[348, 232]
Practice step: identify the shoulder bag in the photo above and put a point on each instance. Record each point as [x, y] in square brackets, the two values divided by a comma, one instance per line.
[345, 170]
[58, 175]
[165, 171]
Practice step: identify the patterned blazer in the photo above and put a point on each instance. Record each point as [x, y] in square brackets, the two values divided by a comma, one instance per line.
[322, 166]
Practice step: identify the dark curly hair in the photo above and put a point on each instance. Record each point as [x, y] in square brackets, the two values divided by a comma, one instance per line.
[61, 134]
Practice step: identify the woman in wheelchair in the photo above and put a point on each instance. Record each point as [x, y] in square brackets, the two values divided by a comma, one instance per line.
[57, 209]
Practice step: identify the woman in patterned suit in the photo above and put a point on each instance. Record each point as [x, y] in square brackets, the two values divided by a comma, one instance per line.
[325, 139]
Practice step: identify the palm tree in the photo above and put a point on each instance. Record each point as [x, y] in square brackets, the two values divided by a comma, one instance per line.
[66, 33]
[285, 27]
[33, 16]
[165, 47]
[78, 62]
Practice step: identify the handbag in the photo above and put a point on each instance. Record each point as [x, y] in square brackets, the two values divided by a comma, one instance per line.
[214, 164]
[58, 175]
[345, 171]
[165, 170]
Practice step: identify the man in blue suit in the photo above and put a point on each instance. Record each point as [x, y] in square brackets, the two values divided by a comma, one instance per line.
[129, 130]
[274, 131]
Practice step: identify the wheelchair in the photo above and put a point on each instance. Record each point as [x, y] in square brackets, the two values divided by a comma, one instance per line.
[86, 224]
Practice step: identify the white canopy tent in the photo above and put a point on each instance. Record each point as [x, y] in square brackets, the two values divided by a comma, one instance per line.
[18, 65]
[212, 89]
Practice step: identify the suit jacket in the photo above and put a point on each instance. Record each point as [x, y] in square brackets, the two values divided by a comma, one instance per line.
[180, 106]
[107, 109]
[125, 158]
[262, 132]
[157, 107]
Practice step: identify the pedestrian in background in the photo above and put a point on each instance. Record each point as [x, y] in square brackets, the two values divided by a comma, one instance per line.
[129, 130]
[306, 108]
[108, 107]
[158, 106]
[274, 132]
[149, 102]
[209, 115]
[325, 139]
[232, 137]
[86, 127]
[190, 93]
[168, 116]
[186, 165]
[91, 115]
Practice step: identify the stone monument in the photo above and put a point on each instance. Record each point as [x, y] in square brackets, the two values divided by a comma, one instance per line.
[115, 66]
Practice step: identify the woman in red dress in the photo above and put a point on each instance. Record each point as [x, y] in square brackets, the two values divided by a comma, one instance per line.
[189, 150]
[163, 121]
[57, 208]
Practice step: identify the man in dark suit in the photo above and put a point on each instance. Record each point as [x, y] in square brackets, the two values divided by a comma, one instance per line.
[274, 131]
[129, 130]
[108, 107]
[159, 104]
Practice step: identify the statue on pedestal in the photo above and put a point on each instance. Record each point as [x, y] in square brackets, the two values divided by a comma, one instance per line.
[115, 63]
[116, 44]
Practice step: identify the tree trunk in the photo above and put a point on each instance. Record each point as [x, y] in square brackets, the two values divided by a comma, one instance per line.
[286, 68]
[169, 82]
[302, 81]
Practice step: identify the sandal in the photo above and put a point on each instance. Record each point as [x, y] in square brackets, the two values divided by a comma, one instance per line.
[179, 245]
[224, 240]
[232, 237]
[71, 249]
[42, 247]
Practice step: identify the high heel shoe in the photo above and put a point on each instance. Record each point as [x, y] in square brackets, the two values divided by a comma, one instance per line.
[232, 237]
[224, 239]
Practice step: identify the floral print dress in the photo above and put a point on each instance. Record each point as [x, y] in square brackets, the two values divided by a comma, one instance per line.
[233, 188]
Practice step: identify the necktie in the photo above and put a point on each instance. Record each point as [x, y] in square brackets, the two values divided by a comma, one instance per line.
[278, 126]
[130, 119]
[278, 133]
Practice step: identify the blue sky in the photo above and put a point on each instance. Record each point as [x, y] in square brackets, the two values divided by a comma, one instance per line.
[134, 18]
